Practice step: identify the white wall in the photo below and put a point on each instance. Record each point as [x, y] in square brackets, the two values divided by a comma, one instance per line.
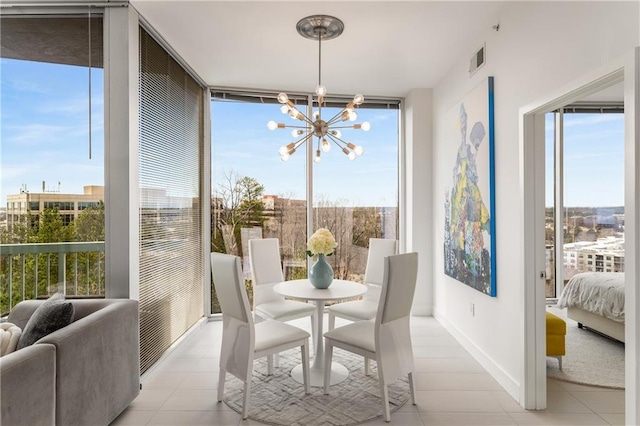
[540, 46]
[418, 194]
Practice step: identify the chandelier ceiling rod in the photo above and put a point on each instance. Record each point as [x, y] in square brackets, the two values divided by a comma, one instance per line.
[320, 27]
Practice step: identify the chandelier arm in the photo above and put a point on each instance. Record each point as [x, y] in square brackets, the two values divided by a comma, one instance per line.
[336, 117]
[343, 127]
[289, 126]
[303, 140]
[337, 140]
[305, 118]
[343, 141]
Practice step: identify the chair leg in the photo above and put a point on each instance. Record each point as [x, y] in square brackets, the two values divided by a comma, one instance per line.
[246, 398]
[270, 365]
[412, 389]
[385, 396]
[560, 362]
[305, 367]
[367, 366]
[328, 355]
[276, 362]
[221, 378]
[332, 321]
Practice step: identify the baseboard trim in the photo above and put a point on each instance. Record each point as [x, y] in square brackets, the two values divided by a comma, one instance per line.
[505, 380]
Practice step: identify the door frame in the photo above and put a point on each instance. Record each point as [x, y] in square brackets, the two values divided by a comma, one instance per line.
[533, 393]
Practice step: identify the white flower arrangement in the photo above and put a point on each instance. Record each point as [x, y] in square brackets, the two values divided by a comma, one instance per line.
[321, 242]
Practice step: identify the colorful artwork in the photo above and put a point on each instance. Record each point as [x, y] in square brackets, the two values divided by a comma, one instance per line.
[469, 234]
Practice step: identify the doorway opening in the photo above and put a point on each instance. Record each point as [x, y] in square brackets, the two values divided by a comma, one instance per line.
[532, 143]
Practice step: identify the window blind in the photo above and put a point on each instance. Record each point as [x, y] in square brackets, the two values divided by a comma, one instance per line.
[170, 176]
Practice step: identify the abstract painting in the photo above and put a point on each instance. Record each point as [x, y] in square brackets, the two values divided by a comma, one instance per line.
[469, 234]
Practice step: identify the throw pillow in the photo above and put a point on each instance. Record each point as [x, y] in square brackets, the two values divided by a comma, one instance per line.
[9, 336]
[52, 315]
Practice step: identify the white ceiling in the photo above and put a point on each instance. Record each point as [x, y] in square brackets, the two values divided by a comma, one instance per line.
[387, 48]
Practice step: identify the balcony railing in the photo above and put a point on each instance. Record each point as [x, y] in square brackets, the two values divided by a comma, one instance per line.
[31, 271]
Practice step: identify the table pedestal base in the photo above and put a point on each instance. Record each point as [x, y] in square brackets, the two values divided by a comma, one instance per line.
[339, 373]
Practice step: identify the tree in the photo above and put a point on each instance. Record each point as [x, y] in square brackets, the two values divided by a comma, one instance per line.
[89, 226]
[339, 220]
[51, 229]
[238, 203]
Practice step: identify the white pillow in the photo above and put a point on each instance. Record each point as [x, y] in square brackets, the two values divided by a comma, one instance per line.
[9, 336]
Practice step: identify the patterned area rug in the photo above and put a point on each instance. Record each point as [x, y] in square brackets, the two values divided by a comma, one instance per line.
[591, 359]
[279, 400]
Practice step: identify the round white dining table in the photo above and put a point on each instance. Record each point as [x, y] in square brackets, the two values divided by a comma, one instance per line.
[304, 290]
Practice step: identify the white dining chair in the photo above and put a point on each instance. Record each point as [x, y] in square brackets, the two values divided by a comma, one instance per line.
[243, 341]
[366, 308]
[266, 271]
[388, 338]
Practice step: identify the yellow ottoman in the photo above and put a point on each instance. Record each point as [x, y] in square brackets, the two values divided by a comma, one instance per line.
[556, 330]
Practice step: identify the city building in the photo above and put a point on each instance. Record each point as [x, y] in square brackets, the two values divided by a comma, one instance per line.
[603, 255]
[69, 205]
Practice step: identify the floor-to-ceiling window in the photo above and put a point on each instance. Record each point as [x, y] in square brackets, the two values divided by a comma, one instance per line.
[257, 195]
[584, 192]
[52, 159]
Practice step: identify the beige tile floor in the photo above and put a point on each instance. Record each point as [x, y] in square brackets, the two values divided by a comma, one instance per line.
[452, 389]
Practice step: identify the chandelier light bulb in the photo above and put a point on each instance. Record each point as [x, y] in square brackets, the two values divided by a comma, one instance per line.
[283, 98]
[326, 146]
[351, 156]
[359, 150]
[284, 109]
[317, 157]
[358, 99]
[336, 133]
[272, 125]
[316, 115]
[285, 157]
[321, 90]
[353, 116]
[296, 132]
[366, 126]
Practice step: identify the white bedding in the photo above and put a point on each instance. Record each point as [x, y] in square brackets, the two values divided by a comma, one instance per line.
[601, 293]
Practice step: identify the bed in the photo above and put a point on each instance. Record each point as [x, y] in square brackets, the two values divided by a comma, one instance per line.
[596, 301]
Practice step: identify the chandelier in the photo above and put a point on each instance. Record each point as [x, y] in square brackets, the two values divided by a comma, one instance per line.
[320, 27]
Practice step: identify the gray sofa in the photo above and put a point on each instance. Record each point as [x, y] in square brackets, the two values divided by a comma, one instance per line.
[84, 374]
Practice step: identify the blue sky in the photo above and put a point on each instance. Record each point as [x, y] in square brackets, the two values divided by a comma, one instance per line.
[593, 160]
[44, 137]
[245, 146]
[45, 127]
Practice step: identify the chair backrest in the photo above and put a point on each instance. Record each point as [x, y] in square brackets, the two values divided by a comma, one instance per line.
[266, 270]
[238, 333]
[398, 287]
[229, 284]
[392, 328]
[379, 248]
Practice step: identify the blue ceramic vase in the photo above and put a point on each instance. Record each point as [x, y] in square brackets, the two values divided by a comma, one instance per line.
[321, 273]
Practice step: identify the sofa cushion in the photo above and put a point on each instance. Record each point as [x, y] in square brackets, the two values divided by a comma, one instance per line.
[50, 316]
[9, 336]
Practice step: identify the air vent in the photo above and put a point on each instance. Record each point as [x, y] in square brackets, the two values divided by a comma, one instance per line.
[477, 61]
